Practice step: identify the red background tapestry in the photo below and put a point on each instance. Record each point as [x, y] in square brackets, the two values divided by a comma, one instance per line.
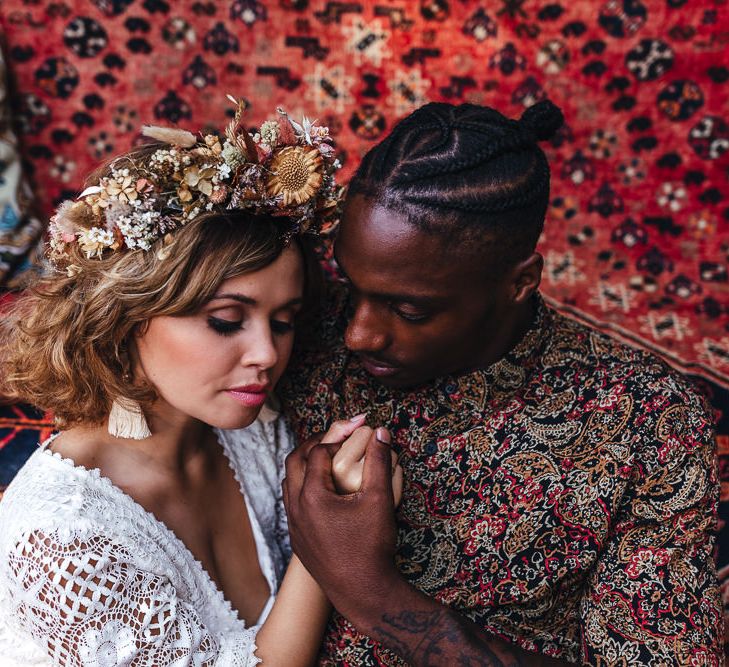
[637, 236]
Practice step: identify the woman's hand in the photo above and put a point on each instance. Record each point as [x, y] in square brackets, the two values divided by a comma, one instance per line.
[348, 463]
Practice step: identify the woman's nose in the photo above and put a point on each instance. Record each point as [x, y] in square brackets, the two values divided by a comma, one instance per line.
[260, 348]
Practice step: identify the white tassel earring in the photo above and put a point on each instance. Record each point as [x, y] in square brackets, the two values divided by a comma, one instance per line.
[126, 420]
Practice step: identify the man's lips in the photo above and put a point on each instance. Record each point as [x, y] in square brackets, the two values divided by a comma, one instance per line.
[378, 368]
[251, 395]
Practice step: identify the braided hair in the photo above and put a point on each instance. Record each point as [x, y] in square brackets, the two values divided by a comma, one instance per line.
[466, 173]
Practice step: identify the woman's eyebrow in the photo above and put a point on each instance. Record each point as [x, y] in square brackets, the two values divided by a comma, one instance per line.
[242, 298]
[250, 301]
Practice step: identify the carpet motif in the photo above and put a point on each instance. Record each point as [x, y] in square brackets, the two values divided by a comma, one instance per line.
[637, 238]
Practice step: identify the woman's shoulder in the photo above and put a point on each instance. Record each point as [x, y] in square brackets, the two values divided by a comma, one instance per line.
[49, 493]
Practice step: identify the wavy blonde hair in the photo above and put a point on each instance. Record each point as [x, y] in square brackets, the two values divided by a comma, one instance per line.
[63, 344]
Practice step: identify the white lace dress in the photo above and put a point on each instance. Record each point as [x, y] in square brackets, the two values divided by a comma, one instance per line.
[88, 577]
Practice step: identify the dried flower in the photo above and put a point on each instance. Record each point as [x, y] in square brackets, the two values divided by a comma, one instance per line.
[269, 133]
[170, 135]
[138, 228]
[71, 217]
[286, 168]
[200, 178]
[287, 135]
[296, 174]
[123, 188]
[219, 195]
[166, 249]
[184, 194]
[93, 241]
[232, 155]
[213, 143]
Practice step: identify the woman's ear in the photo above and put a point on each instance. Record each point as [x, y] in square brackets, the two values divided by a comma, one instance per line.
[129, 351]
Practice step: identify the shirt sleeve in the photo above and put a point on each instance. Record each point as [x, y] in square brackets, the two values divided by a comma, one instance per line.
[654, 597]
[85, 600]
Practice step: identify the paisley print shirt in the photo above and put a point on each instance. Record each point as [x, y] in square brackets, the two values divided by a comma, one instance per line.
[563, 498]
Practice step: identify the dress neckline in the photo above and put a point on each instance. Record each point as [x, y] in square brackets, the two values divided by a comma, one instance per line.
[223, 603]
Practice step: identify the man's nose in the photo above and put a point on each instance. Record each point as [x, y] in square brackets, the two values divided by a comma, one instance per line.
[366, 330]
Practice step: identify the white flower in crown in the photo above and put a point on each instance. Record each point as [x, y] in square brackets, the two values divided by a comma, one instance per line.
[94, 241]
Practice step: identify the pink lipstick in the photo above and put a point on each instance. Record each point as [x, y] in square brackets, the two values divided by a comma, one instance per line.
[252, 395]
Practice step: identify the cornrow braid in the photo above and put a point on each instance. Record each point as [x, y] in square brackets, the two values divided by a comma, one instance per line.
[509, 143]
[465, 169]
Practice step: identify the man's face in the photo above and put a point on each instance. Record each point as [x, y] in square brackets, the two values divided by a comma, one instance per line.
[419, 311]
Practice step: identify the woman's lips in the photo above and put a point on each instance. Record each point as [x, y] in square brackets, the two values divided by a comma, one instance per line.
[252, 396]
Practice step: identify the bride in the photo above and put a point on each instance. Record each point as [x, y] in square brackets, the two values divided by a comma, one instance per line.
[151, 530]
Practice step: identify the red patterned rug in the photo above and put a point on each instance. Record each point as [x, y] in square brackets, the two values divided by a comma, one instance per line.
[637, 239]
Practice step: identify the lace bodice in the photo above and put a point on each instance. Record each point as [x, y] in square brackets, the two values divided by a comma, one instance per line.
[88, 577]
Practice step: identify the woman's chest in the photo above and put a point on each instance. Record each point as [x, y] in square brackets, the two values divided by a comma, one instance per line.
[214, 524]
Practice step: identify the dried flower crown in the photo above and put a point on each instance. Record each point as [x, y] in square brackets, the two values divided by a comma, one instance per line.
[285, 169]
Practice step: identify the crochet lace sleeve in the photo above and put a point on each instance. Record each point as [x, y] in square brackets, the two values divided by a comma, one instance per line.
[88, 603]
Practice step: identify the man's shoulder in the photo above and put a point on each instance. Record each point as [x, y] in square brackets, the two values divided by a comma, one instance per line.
[602, 357]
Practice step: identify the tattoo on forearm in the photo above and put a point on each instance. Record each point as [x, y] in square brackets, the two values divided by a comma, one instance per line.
[435, 638]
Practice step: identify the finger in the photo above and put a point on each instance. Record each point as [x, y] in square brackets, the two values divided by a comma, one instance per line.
[353, 449]
[304, 448]
[377, 471]
[332, 448]
[318, 473]
[295, 467]
[342, 429]
[397, 482]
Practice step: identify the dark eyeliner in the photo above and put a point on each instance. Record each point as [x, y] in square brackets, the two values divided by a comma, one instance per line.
[223, 327]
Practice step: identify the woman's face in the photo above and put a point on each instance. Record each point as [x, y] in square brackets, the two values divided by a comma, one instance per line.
[220, 364]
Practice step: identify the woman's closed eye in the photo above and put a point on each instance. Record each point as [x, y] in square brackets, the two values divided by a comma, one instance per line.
[226, 327]
[223, 326]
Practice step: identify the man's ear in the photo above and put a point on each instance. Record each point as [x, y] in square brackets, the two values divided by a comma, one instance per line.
[527, 275]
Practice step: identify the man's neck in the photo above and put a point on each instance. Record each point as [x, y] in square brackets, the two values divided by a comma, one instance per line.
[510, 335]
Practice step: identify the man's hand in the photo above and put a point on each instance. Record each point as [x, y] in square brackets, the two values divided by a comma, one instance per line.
[346, 542]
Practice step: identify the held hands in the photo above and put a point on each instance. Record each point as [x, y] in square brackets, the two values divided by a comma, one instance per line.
[347, 542]
[348, 462]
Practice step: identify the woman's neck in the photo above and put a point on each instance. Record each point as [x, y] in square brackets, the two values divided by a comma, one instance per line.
[179, 449]
[175, 441]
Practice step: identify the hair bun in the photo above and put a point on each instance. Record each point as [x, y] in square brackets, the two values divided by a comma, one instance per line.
[543, 119]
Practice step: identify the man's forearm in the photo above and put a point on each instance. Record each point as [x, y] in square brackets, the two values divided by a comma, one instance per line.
[426, 633]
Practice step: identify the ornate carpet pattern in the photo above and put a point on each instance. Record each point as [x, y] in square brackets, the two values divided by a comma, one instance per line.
[637, 238]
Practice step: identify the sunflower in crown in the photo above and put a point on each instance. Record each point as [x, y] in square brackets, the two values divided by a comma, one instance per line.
[284, 169]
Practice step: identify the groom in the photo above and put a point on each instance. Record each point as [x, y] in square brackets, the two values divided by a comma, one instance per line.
[560, 488]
